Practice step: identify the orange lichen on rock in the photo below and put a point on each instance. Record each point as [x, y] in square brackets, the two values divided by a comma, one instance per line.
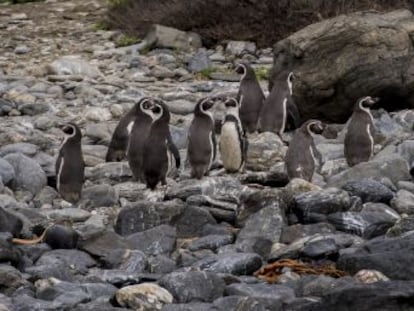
[271, 272]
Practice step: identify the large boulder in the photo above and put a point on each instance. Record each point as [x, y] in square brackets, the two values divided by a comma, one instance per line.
[341, 59]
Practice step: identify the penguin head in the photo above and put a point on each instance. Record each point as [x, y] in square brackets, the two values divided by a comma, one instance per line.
[315, 126]
[71, 130]
[145, 106]
[205, 104]
[366, 102]
[245, 70]
[160, 111]
[231, 102]
[290, 79]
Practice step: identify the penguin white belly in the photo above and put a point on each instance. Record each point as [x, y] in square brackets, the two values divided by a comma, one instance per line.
[230, 147]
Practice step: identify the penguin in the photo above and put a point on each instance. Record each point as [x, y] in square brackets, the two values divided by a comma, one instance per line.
[70, 167]
[279, 111]
[201, 150]
[233, 141]
[160, 154]
[359, 139]
[138, 130]
[300, 157]
[250, 97]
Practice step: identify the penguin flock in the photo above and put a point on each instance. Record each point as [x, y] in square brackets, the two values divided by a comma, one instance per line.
[142, 136]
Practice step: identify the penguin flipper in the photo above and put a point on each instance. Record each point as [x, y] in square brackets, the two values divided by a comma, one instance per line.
[293, 113]
[214, 140]
[174, 150]
[317, 154]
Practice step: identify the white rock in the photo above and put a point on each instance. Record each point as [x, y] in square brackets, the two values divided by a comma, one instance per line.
[144, 297]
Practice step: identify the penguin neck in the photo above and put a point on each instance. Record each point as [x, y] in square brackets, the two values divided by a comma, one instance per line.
[365, 111]
[290, 87]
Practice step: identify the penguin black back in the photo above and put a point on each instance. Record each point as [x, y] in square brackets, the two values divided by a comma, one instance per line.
[139, 129]
[201, 150]
[157, 146]
[70, 165]
[250, 97]
[359, 139]
[300, 156]
[279, 111]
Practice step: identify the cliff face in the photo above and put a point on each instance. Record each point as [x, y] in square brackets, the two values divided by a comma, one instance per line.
[339, 60]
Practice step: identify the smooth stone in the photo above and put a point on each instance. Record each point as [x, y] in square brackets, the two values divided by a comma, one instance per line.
[72, 65]
[7, 173]
[403, 202]
[72, 214]
[211, 242]
[298, 231]
[369, 190]
[277, 293]
[99, 195]
[145, 296]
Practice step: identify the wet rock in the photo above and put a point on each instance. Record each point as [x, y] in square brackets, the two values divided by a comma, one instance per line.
[320, 248]
[391, 256]
[71, 214]
[298, 231]
[115, 277]
[245, 304]
[26, 302]
[154, 241]
[191, 221]
[161, 264]
[369, 190]
[212, 242]
[313, 205]
[199, 306]
[141, 216]
[166, 37]
[263, 227]
[72, 65]
[276, 293]
[365, 224]
[403, 202]
[9, 222]
[193, 286]
[10, 278]
[233, 263]
[29, 175]
[385, 296]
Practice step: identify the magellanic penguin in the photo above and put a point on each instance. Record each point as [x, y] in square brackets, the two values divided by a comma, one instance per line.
[300, 157]
[359, 139]
[250, 97]
[201, 150]
[160, 154]
[233, 141]
[279, 111]
[138, 130]
[119, 142]
[70, 166]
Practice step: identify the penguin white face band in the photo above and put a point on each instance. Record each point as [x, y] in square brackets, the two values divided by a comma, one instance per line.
[290, 80]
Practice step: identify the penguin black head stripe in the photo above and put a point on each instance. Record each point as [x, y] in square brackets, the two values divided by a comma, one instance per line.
[366, 102]
[315, 126]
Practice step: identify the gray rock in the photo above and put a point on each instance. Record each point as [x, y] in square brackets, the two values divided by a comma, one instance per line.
[99, 195]
[71, 214]
[8, 251]
[111, 172]
[21, 49]
[403, 202]
[261, 228]
[73, 65]
[241, 303]
[11, 278]
[265, 149]
[191, 221]
[154, 241]
[100, 133]
[6, 171]
[298, 231]
[232, 263]
[314, 205]
[45, 196]
[143, 215]
[134, 261]
[145, 296]
[238, 48]
[32, 109]
[212, 242]
[317, 93]
[166, 37]
[29, 175]
[403, 225]
[200, 61]
[394, 167]
[131, 190]
[366, 224]
[320, 248]
[199, 306]
[369, 190]
[26, 302]
[391, 256]
[161, 264]
[193, 286]
[24, 148]
[277, 293]
[115, 277]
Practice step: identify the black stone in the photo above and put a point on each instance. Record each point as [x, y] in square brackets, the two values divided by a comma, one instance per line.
[369, 190]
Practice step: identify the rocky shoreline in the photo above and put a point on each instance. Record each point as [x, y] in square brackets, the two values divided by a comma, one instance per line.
[197, 244]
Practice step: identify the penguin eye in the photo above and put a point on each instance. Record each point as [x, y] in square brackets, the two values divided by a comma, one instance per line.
[68, 130]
